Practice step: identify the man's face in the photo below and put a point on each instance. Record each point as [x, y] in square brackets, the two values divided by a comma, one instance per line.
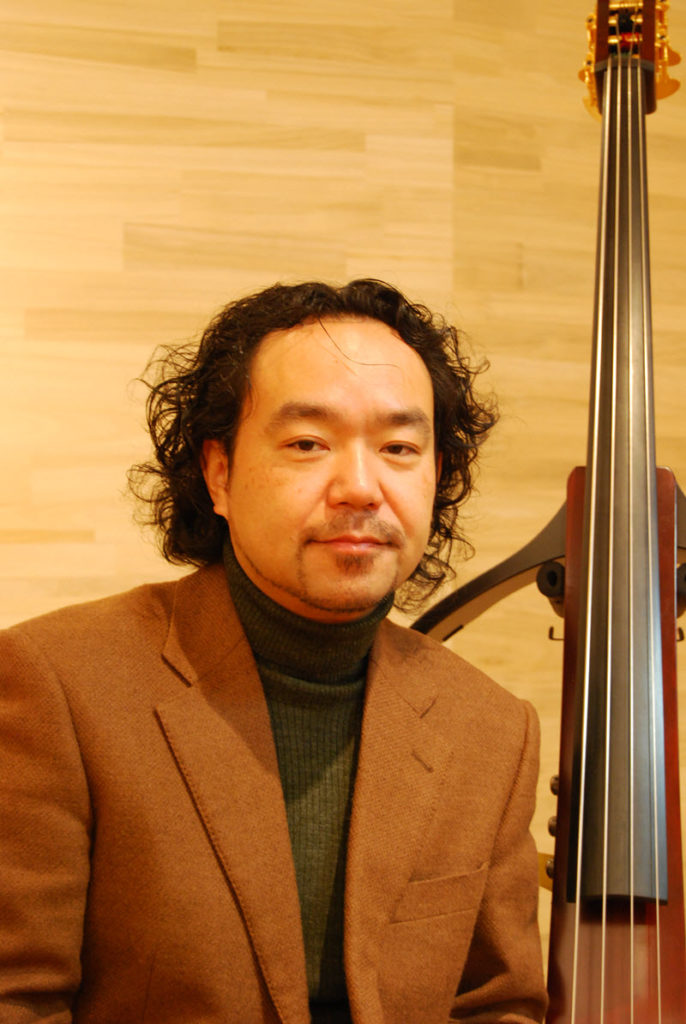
[331, 484]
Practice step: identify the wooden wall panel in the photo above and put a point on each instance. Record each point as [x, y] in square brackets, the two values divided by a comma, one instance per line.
[160, 159]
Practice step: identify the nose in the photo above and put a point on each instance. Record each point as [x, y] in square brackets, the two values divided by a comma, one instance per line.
[355, 480]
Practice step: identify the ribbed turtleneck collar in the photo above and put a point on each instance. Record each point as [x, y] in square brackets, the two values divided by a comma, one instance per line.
[317, 651]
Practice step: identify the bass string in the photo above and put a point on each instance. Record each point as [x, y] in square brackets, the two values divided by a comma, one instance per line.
[638, 233]
[655, 669]
[592, 484]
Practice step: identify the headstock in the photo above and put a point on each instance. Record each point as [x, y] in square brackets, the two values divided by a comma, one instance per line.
[637, 31]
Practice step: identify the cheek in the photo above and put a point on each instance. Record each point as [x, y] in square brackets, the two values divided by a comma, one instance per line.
[246, 498]
[419, 502]
[272, 501]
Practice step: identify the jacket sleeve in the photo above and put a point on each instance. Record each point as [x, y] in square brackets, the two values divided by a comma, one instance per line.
[44, 840]
[502, 982]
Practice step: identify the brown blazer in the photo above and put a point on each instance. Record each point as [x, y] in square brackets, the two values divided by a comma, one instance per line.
[145, 867]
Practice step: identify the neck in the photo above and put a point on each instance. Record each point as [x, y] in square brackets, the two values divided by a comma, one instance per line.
[305, 648]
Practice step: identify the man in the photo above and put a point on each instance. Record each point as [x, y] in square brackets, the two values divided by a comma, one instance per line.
[246, 796]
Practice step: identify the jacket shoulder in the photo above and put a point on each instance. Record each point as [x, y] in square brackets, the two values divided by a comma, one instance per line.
[148, 600]
[112, 624]
[431, 675]
[422, 653]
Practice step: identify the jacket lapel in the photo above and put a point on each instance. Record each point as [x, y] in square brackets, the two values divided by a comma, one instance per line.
[219, 732]
[401, 765]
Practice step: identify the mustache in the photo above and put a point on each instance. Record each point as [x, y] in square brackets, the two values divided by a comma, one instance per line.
[366, 524]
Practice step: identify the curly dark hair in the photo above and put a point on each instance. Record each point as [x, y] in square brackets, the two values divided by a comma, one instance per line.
[196, 393]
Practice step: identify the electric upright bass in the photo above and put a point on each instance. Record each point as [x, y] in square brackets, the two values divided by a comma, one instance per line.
[617, 946]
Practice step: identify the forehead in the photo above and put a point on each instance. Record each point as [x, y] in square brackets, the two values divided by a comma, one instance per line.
[340, 359]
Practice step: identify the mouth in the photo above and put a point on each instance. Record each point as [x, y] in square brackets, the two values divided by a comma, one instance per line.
[356, 535]
[351, 543]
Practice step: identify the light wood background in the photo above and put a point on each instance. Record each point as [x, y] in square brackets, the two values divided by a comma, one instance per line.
[161, 157]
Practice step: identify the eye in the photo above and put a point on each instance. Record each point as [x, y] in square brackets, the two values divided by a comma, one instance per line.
[306, 445]
[400, 448]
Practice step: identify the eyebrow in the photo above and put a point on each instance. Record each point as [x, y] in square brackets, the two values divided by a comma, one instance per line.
[292, 411]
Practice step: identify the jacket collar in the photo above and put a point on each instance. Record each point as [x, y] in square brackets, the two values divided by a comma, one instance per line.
[401, 766]
[219, 732]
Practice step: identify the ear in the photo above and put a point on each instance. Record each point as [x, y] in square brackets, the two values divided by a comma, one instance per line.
[214, 463]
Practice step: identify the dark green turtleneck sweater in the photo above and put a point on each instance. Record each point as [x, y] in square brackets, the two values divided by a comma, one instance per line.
[314, 676]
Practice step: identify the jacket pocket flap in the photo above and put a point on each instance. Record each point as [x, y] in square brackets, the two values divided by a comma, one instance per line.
[432, 897]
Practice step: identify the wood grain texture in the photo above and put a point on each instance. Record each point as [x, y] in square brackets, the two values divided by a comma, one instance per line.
[159, 160]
